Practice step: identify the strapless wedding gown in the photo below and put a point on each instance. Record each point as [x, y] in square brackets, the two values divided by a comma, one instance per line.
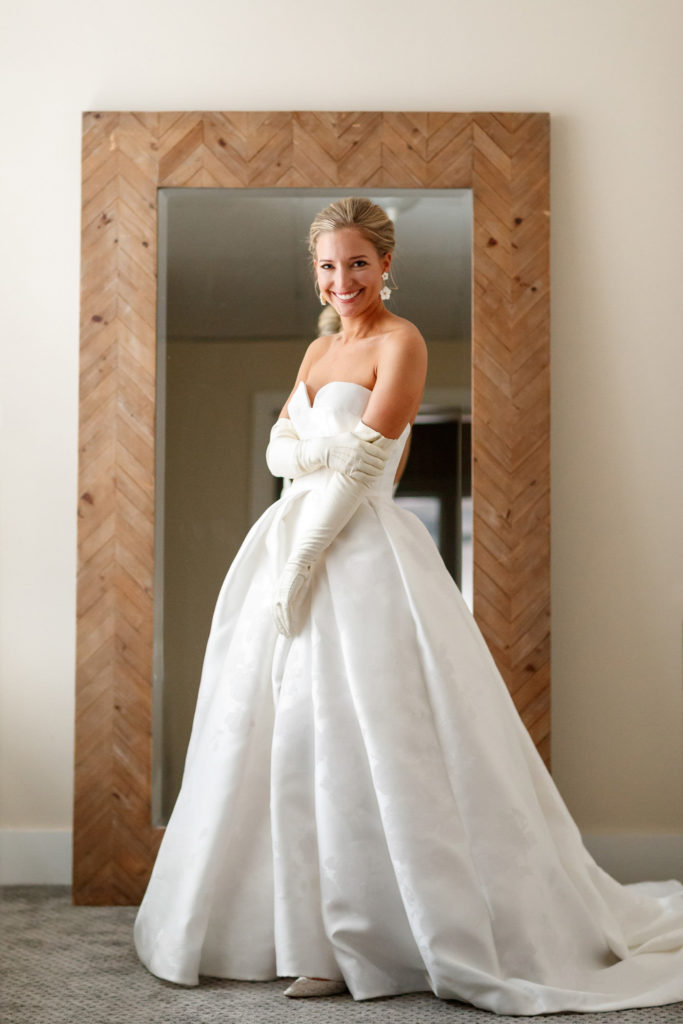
[363, 800]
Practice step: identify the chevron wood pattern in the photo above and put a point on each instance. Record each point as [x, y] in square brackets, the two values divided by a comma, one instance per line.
[126, 157]
[511, 415]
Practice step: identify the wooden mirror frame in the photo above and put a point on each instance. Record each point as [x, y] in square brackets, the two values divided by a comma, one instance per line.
[504, 159]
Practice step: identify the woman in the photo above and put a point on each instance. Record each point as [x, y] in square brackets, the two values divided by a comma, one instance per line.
[361, 805]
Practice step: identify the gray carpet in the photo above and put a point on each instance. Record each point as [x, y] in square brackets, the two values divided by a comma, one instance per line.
[64, 964]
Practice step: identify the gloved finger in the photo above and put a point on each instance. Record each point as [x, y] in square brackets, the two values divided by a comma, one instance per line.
[371, 451]
[361, 473]
[372, 462]
[354, 465]
[280, 607]
[290, 587]
[366, 463]
[372, 466]
[369, 446]
[281, 619]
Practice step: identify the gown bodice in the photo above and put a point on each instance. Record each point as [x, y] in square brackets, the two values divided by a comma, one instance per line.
[337, 408]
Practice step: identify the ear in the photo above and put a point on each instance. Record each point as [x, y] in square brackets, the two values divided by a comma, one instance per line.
[386, 262]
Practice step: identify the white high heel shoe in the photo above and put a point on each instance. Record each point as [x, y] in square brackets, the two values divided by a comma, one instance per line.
[314, 987]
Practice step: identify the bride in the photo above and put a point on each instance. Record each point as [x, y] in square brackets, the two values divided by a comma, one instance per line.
[362, 807]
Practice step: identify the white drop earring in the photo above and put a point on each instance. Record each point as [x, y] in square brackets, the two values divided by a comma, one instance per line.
[385, 293]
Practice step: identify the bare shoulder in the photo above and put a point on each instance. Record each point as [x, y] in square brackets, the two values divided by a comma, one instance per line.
[401, 372]
[318, 347]
[402, 343]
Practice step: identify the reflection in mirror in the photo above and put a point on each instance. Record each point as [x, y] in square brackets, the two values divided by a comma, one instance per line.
[236, 310]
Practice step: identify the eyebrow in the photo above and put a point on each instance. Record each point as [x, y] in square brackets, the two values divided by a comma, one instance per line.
[329, 260]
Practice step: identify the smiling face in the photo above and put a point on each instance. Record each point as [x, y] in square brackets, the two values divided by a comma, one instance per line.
[349, 271]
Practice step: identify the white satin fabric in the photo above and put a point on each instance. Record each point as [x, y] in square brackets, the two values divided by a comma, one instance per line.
[363, 800]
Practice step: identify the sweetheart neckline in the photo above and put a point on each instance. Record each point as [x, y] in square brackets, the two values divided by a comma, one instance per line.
[351, 382]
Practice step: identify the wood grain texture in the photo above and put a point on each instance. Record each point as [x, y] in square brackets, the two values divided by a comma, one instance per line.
[511, 405]
[504, 159]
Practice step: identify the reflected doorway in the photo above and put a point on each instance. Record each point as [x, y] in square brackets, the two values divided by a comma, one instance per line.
[437, 486]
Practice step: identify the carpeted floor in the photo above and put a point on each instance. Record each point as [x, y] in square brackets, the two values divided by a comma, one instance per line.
[66, 965]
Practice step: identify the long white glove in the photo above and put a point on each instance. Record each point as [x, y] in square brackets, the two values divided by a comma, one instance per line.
[288, 456]
[337, 504]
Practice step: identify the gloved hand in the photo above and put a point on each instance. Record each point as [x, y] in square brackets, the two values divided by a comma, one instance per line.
[288, 456]
[339, 500]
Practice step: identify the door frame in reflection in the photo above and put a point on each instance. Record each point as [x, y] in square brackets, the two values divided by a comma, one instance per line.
[438, 474]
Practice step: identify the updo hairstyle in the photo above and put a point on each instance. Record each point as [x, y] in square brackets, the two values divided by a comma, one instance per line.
[354, 212]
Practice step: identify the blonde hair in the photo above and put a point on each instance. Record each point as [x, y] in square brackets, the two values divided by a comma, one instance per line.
[354, 212]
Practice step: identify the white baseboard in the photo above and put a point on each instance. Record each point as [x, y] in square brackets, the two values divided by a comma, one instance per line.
[35, 856]
[43, 857]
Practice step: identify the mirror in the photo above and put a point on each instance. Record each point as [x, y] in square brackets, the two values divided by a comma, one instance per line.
[235, 310]
[128, 159]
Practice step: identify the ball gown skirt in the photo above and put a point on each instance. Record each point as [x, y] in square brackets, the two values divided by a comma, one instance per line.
[362, 801]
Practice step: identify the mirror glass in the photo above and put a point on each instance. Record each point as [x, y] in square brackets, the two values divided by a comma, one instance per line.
[236, 309]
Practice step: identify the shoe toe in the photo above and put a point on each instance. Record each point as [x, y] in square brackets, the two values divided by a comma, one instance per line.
[307, 987]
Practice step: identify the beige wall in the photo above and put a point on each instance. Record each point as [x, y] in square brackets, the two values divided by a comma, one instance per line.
[210, 389]
[609, 73]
